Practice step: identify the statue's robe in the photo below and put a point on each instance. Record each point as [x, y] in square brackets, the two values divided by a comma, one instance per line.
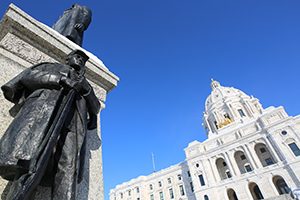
[38, 97]
[65, 25]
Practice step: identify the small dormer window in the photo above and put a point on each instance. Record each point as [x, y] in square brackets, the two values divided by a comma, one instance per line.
[216, 124]
[241, 112]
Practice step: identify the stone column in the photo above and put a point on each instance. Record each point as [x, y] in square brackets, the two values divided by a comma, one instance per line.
[254, 155]
[214, 170]
[234, 163]
[24, 42]
[250, 157]
[230, 165]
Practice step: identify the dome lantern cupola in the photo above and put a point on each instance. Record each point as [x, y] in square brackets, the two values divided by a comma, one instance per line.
[214, 84]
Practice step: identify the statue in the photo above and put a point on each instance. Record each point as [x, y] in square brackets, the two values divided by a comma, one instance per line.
[74, 22]
[45, 143]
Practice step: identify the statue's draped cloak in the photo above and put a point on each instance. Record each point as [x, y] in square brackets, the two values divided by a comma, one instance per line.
[39, 104]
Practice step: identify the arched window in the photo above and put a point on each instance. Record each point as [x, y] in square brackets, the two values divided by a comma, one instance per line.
[281, 185]
[264, 154]
[242, 162]
[223, 169]
[255, 191]
[206, 197]
[231, 194]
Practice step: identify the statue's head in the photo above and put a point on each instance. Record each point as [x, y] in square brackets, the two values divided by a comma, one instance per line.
[77, 59]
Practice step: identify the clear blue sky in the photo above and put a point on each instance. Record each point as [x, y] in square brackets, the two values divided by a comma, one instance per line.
[165, 52]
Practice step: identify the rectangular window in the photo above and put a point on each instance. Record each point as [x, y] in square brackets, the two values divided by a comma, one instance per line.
[138, 198]
[241, 112]
[151, 187]
[169, 180]
[151, 197]
[179, 177]
[137, 190]
[181, 190]
[201, 179]
[189, 173]
[262, 150]
[192, 186]
[248, 168]
[269, 161]
[161, 196]
[171, 193]
[228, 174]
[129, 192]
[159, 183]
[121, 194]
[295, 149]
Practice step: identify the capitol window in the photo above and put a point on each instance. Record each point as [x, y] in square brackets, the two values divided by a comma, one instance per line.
[169, 180]
[201, 179]
[262, 150]
[228, 174]
[188, 173]
[247, 167]
[151, 187]
[171, 193]
[241, 112]
[269, 161]
[159, 183]
[179, 177]
[295, 149]
[181, 190]
[192, 186]
[243, 157]
[161, 195]
[283, 132]
[151, 197]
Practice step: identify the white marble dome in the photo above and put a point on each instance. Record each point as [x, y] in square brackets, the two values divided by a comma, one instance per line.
[219, 93]
[227, 106]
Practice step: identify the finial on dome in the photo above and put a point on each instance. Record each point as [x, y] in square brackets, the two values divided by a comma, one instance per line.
[214, 84]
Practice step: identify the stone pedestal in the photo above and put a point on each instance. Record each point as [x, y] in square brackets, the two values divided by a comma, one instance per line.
[24, 42]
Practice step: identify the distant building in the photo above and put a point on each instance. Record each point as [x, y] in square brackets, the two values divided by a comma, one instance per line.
[250, 153]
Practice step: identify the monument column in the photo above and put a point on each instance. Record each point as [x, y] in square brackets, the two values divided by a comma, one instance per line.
[24, 42]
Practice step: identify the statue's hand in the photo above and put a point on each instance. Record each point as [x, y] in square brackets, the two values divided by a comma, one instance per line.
[79, 27]
[67, 83]
[82, 86]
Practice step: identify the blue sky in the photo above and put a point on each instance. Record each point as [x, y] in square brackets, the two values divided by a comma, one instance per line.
[165, 53]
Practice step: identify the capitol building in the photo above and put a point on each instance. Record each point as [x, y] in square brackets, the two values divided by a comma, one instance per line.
[250, 153]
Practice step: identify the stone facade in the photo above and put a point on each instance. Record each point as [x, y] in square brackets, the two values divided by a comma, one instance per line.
[24, 42]
[250, 153]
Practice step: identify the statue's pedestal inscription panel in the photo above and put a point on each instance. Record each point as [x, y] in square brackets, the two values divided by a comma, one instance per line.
[24, 42]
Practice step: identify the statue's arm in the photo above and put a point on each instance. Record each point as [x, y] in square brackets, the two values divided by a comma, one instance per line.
[13, 90]
[93, 104]
[39, 78]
